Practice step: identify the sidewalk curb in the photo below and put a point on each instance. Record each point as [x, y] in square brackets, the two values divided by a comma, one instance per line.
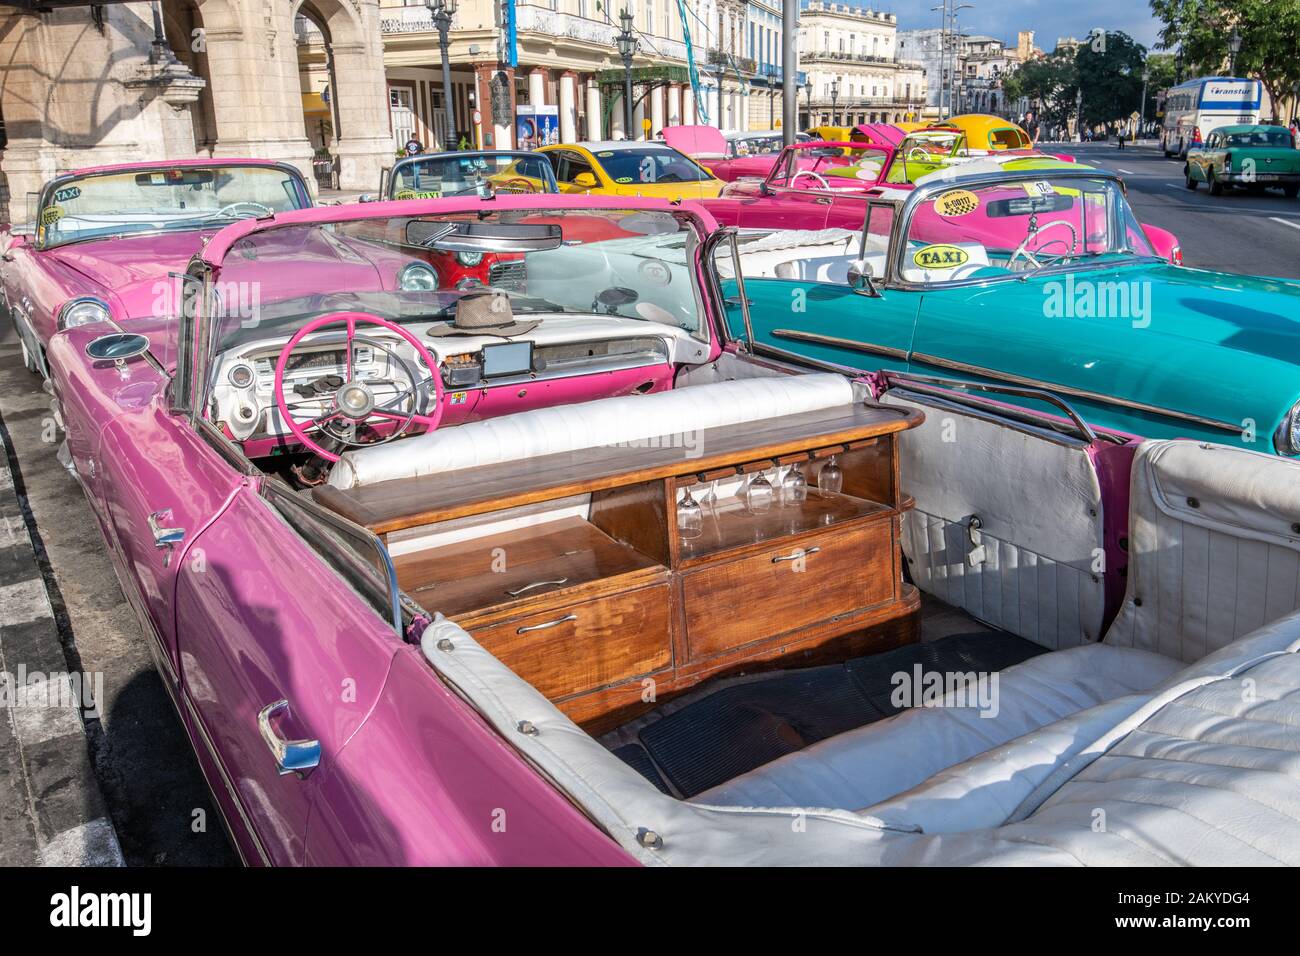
[52, 812]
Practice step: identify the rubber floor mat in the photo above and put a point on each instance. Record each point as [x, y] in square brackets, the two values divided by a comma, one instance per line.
[746, 725]
[980, 651]
[635, 756]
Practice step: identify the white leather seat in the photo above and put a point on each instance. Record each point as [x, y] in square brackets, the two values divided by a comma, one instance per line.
[861, 767]
[677, 415]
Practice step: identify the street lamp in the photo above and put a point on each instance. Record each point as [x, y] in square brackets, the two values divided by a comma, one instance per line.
[442, 11]
[1142, 111]
[835, 95]
[807, 88]
[1234, 47]
[627, 47]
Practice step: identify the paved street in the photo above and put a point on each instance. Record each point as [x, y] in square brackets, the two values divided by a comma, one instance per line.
[1235, 232]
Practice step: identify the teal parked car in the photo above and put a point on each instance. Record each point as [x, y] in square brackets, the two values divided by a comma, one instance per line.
[1252, 157]
[1033, 278]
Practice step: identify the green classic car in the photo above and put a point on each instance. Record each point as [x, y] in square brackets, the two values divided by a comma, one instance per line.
[1040, 279]
[1253, 157]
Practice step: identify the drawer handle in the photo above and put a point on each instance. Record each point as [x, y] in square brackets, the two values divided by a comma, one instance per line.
[541, 627]
[795, 555]
[536, 584]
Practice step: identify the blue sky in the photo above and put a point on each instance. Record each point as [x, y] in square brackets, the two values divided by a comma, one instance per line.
[1047, 18]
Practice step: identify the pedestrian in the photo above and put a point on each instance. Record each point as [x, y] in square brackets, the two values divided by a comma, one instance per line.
[413, 147]
[1295, 133]
[1120, 137]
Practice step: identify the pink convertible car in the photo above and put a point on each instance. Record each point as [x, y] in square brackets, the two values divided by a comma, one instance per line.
[574, 571]
[103, 240]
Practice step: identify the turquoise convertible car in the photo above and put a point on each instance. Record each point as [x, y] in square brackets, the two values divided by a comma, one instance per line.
[1039, 279]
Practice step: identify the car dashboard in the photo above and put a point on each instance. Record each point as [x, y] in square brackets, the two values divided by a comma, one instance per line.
[603, 352]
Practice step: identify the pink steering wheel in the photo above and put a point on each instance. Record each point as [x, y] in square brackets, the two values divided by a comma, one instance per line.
[354, 402]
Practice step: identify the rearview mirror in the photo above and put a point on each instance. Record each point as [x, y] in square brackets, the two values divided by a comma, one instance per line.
[483, 236]
[585, 180]
[861, 279]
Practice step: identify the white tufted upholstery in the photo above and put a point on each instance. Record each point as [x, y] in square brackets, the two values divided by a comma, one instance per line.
[609, 421]
[1201, 576]
[862, 767]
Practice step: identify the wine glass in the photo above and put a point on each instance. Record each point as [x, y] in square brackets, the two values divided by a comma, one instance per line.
[690, 516]
[794, 487]
[759, 494]
[830, 479]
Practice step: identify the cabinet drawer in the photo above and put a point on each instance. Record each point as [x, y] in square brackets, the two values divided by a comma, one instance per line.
[581, 647]
[737, 602]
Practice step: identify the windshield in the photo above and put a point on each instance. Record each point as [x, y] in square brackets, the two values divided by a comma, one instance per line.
[1008, 138]
[1018, 226]
[450, 174]
[652, 164]
[563, 267]
[176, 198]
[756, 145]
[1261, 137]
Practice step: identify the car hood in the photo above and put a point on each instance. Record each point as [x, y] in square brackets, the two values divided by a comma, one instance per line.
[1252, 314]
[132, 269]
[708, 189]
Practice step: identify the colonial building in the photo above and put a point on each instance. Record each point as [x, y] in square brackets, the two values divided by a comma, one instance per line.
[855, 73]
[965, 71]
[89, 85]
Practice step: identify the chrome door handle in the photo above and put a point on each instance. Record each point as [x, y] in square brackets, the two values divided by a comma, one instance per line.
[164, 537]
[536, 584]
[291, 756]
[549, 624]
[795, 555]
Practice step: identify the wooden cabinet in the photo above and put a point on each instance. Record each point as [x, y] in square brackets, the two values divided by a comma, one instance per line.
[793, 584]
[576, 648]
[596, 610]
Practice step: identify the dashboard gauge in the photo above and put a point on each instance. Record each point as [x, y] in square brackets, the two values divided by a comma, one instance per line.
[417, 277]
[241, 375]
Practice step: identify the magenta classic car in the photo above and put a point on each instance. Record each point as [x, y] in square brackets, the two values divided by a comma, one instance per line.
[728, 156]
[569, 573]
[102, 241]
[816, 185]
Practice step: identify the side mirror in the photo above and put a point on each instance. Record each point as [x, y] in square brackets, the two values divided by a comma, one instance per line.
[585, 181]
[861, 279]
[365, 197]
[117, 347]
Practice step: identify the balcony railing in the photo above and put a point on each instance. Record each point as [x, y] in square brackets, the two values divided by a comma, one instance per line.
[531, 19]
[838, 57]
[728, 61]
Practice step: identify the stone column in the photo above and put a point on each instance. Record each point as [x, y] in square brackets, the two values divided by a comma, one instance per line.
[537, 86]
[638, 118]
[617, 116]
[675, 105]
[688, 106]
[657, 111]
[568, 107]
[594, 116]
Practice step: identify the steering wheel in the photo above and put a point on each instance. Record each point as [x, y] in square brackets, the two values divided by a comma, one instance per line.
[1022, 250]
[517, 185]
[230, 209]
[912, 153]
[821, 180]
[353, 403]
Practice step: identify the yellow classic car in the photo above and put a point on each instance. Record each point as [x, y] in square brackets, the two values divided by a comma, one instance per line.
[624, 168]
[985, 133]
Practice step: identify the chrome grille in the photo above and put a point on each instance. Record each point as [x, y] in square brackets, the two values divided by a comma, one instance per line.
[509, 274]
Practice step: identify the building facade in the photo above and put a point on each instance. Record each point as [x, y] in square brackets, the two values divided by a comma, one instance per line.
[854, 72]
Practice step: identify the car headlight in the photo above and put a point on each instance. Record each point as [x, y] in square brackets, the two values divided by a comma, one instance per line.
[84, 310]
[1287, 439]
[417, 277]
[469, 258]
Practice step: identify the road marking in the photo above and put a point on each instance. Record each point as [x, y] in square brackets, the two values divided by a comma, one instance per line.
[1285, 222]
[1126, 172]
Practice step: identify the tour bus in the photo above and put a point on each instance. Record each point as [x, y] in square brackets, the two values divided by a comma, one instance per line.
[1194, 108]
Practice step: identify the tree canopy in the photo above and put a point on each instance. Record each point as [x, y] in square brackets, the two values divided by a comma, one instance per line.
[1203, 29]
